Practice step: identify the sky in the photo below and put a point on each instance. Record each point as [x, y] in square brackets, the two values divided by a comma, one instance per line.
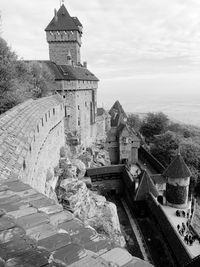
[143, 51]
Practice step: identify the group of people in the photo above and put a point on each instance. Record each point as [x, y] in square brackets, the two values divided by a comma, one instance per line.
[184, 229]
[182, 213]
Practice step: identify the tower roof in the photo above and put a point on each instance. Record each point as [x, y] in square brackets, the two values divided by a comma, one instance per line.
[117, 114]
[62, 21]
[146, 186]
[177, 168]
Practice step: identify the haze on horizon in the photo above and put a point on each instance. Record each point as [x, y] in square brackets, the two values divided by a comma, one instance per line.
[143, 51]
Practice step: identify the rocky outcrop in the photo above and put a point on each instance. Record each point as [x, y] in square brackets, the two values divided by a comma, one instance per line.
[95, 156]
[93, 209]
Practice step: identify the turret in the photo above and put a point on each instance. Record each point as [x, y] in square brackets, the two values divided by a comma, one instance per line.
[178, 180]
[64, 34]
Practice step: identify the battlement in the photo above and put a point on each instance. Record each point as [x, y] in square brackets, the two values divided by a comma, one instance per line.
[63, 36]
[27, 140]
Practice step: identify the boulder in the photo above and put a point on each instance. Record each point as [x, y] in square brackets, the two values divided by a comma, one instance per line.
[80, 167]
[92, 209]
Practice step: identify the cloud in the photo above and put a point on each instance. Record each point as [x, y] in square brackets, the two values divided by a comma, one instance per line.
[117, 34]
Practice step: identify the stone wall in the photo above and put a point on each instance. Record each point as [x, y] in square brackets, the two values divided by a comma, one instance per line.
[103, 126]
[78, 115]
[58, 52]
[177, 192]
[31, 135]
[196, 217]
[59, 45]
[79, 85]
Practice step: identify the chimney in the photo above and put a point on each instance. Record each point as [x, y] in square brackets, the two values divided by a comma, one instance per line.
[85, 64]
[55, 15]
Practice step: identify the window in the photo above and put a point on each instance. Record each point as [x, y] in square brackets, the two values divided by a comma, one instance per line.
[53, 111]
[42, 122]
[49, 113]
[38, 128]
[79, 121]
[78, 107]
[46, 117]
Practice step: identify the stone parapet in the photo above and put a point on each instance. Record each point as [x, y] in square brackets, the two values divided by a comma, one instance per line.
[27, 132]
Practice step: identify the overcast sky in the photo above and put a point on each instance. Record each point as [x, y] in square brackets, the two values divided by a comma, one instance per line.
[135, 47]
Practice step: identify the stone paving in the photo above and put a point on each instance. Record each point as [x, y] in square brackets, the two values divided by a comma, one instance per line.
[36, 231]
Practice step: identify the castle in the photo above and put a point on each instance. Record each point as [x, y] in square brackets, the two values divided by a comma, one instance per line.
[76, 84]
[31, 137]
[78, 88]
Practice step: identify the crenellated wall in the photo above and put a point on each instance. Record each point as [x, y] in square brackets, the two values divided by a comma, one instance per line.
[60, 42]
[31, 135]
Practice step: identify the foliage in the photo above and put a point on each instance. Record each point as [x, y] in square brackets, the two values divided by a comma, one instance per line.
[134, 121]
[191, 153]
[20, 80]
[7, 63]
[154, 124]
[164, 147]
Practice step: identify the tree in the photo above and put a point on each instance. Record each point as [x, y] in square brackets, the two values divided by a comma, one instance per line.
[134, 121]
[7, 66]
[20, 80]
[154, 124]
[190, 151]
[41, 80]
[165, 147]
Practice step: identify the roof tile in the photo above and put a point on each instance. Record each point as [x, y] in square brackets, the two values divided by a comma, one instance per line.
[177, 169]
[63, 21]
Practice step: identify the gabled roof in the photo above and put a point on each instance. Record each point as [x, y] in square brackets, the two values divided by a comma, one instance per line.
[77, 21]
[63, 21]
[146, 186]
[66, 72]
[76, 73]
[122, 126]
[118, 106]
[118, 116]
[177, 168]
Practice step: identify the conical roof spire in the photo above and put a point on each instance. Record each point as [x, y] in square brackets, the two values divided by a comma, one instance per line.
[146, 186]
[177, 168]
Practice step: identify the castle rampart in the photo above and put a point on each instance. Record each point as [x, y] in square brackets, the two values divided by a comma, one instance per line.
[31, 136]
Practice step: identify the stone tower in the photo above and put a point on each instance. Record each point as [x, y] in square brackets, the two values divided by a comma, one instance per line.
[75, 83]
[64, 35]
[178, 180]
